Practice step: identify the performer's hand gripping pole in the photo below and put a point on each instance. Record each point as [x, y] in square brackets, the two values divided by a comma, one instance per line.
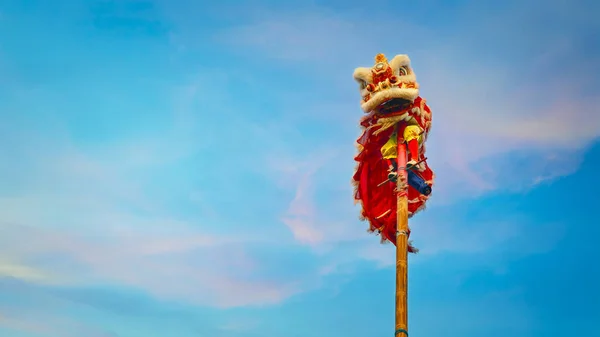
[402, 243]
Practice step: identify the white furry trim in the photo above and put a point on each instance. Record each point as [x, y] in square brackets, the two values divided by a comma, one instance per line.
[360, 75]
[384, 95]
[363, 74]
[403, 61]
[398, 61]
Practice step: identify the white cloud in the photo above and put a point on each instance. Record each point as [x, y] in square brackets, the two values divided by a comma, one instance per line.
[21, 271]
[90, 215]
[298, 35]
[241, 325]
[96, 221]
[49, 324]
[482, 113]
[301, 213]
[70, 242]
[320, 225]
[498, 123]
[513, 237]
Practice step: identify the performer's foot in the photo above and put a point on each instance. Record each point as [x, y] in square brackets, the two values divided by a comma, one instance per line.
[393, 175]
[412, 164]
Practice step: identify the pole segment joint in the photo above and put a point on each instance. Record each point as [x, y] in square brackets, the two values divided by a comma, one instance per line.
[401, 331]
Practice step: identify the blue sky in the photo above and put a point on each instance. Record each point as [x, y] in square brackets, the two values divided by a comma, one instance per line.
[173, 169]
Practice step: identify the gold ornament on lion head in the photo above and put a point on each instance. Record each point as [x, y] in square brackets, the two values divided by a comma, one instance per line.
[386, 81]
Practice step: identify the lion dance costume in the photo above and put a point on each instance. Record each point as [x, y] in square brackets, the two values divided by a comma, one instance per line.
[394, 112]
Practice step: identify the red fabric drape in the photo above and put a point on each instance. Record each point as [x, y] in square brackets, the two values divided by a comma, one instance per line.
[379, 203]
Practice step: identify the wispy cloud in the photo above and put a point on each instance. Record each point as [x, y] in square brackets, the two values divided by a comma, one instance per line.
[46, 324]
[230, 187]
[301, 213]
[292, 36]
[241, 325]
[481, 112]
[23, 272]
[103, 215]
[495, 127]
[169, 259]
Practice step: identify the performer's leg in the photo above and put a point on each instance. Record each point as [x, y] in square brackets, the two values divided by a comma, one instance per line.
[413, 148]
[393, 169]
[412, 136]
[389, 153]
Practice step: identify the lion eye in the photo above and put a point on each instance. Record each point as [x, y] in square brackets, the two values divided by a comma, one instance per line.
[363, 84]
[402, 71]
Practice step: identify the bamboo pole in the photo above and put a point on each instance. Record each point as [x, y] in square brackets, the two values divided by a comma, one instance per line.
[402, 243]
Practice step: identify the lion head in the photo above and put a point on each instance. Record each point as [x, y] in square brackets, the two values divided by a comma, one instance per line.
[390, 83]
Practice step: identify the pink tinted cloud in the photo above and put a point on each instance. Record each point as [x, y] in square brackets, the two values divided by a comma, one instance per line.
[309, 222]
[483, 118]
[86, 237]
[300, 216]
[49, 324]
[480, 112]
[183, 265]
[88, 221]
[512, 236]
